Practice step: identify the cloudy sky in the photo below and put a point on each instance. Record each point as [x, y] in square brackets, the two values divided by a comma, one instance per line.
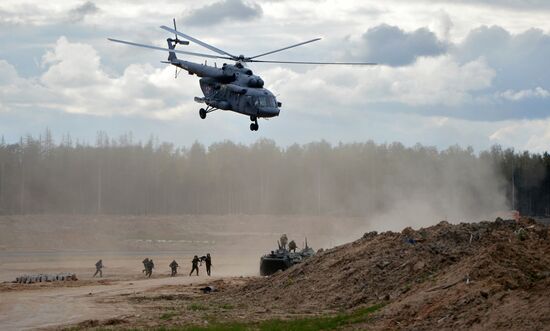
[473, 73]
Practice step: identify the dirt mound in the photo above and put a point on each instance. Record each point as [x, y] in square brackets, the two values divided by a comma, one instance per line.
[487, 275]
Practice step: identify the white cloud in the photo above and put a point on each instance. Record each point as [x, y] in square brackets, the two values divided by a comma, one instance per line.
[74, 81]
[8, 74]
[16, 91]
[532, 135]
[45, 13]
[512, 95]
[72, 65]
[438, 81]
[430, 81]
[442, 25]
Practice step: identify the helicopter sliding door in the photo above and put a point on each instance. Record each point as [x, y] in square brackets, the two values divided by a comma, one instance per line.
[207, 87]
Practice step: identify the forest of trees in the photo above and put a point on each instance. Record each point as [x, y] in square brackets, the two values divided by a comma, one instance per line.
[121, 176]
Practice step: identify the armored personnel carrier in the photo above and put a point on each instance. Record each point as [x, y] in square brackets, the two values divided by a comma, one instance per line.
[282, 259]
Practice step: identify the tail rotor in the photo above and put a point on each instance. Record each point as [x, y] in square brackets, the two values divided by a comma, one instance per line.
[175, 29]
[176, 40]
[172, 45]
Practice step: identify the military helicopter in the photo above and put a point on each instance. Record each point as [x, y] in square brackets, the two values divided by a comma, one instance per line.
[232, 87]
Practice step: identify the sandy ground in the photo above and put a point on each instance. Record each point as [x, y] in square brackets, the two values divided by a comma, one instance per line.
[46, 307]
[67, 243]
[43, 305]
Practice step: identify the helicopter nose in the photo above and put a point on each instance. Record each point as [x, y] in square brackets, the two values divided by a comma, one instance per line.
[269, 112]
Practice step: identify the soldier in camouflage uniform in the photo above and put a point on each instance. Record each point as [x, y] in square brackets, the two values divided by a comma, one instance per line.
[292, 246]
[284, 241]
[195, 264]
[98, 267]
[174, 266]
[145, 264]
[208, 262]
[150, 266]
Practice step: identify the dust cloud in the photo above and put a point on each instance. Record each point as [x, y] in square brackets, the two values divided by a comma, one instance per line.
[126, 201]
[420, 193]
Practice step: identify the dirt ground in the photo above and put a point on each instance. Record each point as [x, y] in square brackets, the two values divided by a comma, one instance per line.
[73, 243]
[475, 276]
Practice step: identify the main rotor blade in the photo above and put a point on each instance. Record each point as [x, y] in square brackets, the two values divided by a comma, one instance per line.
[328, 63]
[202, 43]
[282, 49]
[168, 50]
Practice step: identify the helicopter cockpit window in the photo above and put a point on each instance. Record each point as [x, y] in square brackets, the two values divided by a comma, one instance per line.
[265, 101]
[272, 102]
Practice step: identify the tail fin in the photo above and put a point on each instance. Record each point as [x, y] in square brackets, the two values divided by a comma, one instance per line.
[171, 45]
[173, 42]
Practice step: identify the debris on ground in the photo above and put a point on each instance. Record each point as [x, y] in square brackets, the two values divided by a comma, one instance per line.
[208, 289]
[39, 278]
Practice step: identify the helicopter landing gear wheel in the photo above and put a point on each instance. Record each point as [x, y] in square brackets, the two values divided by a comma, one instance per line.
[202, 113]
[254, 126]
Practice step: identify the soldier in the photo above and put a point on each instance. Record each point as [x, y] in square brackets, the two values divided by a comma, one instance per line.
[150, 266]
[292, 246]
[208, 262]
[284, 241]
[174, 266]
[145, 263]
[98, 267]
[195, 264]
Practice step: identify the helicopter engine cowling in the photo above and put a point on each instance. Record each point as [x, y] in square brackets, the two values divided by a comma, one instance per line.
[255, 82]
[236, 88]
[229, 77]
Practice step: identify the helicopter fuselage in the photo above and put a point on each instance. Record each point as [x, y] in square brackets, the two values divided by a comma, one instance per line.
[232, 87]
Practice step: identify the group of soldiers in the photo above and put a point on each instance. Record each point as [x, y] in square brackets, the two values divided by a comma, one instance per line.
[198, 261]
[291, 245]
[149, 265]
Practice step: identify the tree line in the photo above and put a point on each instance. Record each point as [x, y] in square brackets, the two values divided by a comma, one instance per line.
[122, 176]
